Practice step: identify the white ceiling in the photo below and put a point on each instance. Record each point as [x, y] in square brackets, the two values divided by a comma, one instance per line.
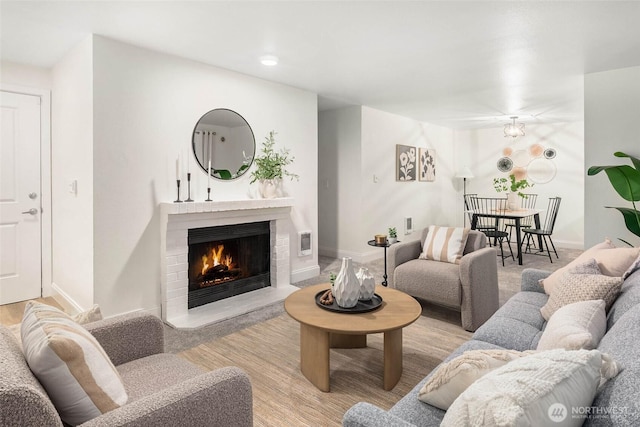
[453, 63]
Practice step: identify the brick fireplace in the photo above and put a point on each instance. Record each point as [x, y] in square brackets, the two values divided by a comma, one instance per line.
[179, 218]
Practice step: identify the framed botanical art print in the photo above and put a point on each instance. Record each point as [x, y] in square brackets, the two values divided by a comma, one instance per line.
[427, 165]
[406, 163]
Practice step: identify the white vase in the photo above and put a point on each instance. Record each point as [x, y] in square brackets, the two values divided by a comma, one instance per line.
[346, 287]
[269, 188]
[367, 284]
[513, 201]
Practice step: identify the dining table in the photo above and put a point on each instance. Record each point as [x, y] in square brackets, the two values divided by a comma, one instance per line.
[517, 215]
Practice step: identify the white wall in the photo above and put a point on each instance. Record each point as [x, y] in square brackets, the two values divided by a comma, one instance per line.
[358, 144]
[25, 75]
[339, 192]
[481, 149]
[71, 159]
[611, 110]
[146, 105]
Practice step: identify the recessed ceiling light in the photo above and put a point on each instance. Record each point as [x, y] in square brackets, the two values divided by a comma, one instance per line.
[269, 60]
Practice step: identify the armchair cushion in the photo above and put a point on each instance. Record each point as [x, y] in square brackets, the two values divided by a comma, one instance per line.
[79, 378]
[434, 281]
[444, 244]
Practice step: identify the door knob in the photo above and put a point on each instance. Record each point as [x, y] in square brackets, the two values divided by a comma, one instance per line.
[32, 196]
[31, 211]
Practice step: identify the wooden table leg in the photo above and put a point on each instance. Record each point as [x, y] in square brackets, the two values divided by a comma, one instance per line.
[392, 358]
[314, 356]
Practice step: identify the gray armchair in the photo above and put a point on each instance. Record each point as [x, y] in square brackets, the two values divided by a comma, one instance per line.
[471, 286]
[163, 389]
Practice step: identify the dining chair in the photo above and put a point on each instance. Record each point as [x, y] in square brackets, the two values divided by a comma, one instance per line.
[488, 210]
[528, 202]
[546, 231]
[468, 205]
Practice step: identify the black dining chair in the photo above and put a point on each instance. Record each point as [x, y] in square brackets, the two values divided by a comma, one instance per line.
[486, 210]
[528, 202]
[546, 231]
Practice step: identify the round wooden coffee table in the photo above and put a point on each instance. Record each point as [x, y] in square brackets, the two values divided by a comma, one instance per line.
[322, 329]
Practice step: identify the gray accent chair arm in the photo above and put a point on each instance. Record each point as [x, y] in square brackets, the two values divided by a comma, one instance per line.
[129, 337]
[367, 415]
[480, 299]
[218, 398]
[399, 253]
[530, 278]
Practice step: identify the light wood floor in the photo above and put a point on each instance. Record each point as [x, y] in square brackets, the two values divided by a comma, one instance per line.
[10, 314]
[269, 353]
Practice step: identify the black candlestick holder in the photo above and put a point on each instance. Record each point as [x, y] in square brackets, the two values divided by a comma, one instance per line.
[178, 199]
[189, 187]
[208, 195]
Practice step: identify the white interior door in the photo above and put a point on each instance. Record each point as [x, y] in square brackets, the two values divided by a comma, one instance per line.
[20, 195]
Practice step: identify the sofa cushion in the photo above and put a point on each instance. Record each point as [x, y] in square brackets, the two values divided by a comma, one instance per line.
[576, 326]
[444, 244]
[517, 325]
[451, 378]
[575, 287]
[618, 401]
[78, 376]
[140, 376]
[629, 297]
[442, 287]
[418, 413]
[525, 391]
[612, 261]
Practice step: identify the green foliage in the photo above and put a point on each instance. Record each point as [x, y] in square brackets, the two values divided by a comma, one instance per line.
[626, 181]
[393, 232]
[271, 164]
[504, 184]
[332, 278]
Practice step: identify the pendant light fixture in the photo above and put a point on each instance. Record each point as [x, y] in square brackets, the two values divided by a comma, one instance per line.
[514, 129]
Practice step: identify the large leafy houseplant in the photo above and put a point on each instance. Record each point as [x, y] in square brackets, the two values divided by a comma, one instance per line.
[503, 185]
[626, 181]
[271, 164]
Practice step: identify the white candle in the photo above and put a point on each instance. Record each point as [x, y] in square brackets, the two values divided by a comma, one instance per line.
[209, 175]
[188, 162]
[178, 167]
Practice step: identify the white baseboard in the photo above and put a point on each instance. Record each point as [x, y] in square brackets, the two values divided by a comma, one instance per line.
[305, 273]
[68, 303]
[567, 244]
[155, 311]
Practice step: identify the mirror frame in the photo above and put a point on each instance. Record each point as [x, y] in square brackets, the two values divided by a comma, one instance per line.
[224, 174]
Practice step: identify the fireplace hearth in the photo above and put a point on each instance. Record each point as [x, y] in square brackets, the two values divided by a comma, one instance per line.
[229, 260]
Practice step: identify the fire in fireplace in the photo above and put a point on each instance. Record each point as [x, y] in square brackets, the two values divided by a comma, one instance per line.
[227, 260]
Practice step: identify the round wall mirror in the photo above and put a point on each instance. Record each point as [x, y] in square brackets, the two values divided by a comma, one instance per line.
[223, 144]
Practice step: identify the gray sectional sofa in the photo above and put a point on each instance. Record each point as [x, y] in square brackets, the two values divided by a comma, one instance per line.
[518, 325]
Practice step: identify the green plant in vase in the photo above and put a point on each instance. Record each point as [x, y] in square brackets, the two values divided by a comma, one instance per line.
[514, 189]
[626, 181]
[393, 235]
[271, 167]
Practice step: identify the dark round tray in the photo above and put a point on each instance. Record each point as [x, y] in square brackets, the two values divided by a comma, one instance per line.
[361, 307]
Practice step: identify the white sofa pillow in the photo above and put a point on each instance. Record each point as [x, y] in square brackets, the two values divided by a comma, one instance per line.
[70, 364]
[535, 390]
[580, 325]
[453, 377]
[444, 244]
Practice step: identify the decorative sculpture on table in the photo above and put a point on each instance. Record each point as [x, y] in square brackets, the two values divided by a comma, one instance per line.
[346, 288]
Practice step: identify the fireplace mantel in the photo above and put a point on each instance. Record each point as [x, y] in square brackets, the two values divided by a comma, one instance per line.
[178, 218]
[224, 205]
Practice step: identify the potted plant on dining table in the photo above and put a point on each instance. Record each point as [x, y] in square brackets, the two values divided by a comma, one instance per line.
[513, 188]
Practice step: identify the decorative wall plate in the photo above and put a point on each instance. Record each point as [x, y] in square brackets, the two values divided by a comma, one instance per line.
[541, 170]
[505, 164]
[550, 153]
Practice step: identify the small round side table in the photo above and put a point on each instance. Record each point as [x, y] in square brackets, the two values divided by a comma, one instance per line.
[385, 246]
